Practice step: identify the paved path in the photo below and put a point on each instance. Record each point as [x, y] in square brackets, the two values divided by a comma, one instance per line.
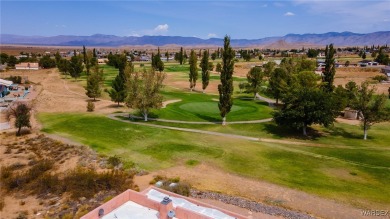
[200, 123]
[278, 143]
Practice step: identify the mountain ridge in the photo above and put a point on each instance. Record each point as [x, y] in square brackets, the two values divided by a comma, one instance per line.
[337, 38]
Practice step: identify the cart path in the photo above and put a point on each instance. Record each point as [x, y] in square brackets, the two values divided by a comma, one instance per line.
[200, 123]
[266, 140]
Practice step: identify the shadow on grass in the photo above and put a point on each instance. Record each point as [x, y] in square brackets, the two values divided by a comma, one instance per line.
[207, 118]
[338, 131]
[286, 132]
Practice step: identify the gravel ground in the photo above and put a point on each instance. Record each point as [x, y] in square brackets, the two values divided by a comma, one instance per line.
[251, 205]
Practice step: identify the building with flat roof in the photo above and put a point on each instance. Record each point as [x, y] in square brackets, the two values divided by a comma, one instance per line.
[155, 203]
[27, 66]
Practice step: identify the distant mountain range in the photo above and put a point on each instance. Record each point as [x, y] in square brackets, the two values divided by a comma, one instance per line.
[338, 39]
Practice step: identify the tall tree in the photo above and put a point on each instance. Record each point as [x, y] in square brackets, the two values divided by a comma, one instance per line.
[157, 64]
[94, 83]
[305, 104]
[371, 107]
[205, 66]
[4, 58]
[57, 57]
[330, 68]
[225, 89]
[63, 66]
[47, 62]
[12, 61]
[167, 55]
[382, 57]
[118, 90]
[21, 112]
[193, 75]
[255, 77]
[269, 67]
[181, 56]
[218, 68]
[278, 83]
[75, 66]
[144, 91]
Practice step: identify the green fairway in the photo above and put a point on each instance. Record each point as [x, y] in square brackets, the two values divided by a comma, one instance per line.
[204, 107]
[296, 166]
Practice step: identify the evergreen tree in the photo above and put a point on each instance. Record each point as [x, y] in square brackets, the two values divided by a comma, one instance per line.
[57, 57]
[167, 55]
[75, 67]
[118, 91]
[47, 62]
[193, 69]
[218, 68]
[63, 66]
[94, 83]
[382, 57]
[204, 65]
[225, 89]
[255, 77]
[181, 56]
[330, 69]
[157, 64]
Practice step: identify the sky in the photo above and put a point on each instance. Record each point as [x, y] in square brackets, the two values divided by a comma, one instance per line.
[251, 19]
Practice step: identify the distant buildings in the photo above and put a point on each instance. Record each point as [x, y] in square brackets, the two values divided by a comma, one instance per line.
[27, 66]
[386, 71]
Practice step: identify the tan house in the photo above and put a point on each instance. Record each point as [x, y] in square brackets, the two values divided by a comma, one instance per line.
[27, 66]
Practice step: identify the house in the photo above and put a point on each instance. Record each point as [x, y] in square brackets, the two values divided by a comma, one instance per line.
[102, 61]
[4, 87]
[145, 58]
[157, 204]
[386, 70]
[3, 67]
[27, 66]
[365, 63]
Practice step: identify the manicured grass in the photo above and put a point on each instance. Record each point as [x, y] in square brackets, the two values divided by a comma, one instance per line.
[203, 107]
[288, 165]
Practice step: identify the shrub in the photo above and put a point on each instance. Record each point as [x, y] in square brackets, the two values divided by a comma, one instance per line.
[2, 204]
[85, 183]
[114, 160]
[380, 78]
[90, 106]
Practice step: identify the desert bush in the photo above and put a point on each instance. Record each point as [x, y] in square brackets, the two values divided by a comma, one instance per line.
[114, 160]
[22, 215]
[85, 183]
[90, 106]
[181, 188]
[379, 78]
[2, 204]
[46, 183]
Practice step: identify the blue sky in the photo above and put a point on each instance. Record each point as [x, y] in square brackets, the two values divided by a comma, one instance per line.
[239, 19]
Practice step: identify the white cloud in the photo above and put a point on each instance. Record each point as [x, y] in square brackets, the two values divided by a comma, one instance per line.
[161, 28]
[212, 35]
[289, 14]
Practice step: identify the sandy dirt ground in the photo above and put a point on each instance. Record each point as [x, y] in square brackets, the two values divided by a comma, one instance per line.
[53, 94]
[206, 177]
[359, 75]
